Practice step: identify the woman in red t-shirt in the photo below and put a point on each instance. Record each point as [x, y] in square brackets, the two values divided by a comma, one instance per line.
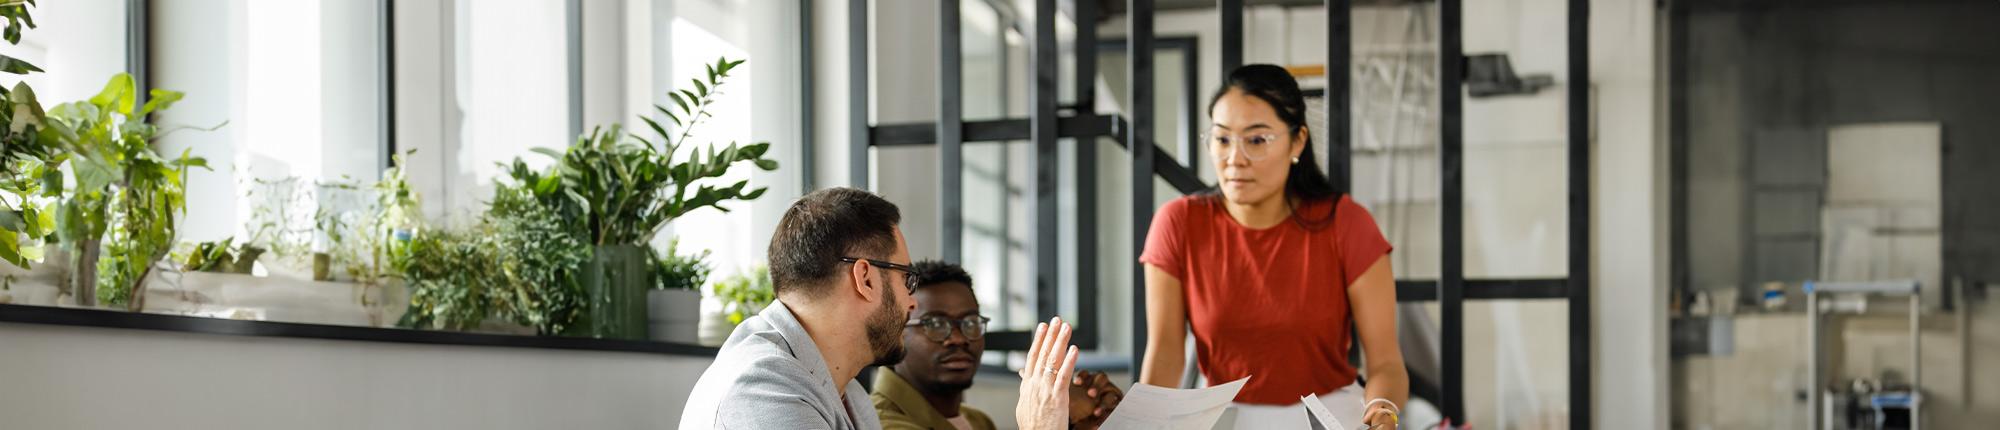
[1272, 270]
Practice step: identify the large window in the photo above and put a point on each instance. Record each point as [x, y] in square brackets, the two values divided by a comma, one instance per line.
[296, 87]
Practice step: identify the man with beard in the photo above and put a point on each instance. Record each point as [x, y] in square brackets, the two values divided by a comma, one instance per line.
[839, 309]
[945, 338]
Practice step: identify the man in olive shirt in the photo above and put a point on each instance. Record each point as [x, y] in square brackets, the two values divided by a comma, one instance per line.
[944, 340]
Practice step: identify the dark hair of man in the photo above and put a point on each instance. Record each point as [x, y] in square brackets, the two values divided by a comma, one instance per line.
[933, 272]
[821, 228]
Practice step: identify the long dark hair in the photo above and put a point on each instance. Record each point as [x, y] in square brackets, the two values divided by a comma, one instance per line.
[1275, 86]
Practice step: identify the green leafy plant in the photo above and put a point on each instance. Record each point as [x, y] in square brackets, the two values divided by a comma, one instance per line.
[445, 271]
[23, 153]
[17, 15]
[366, 241]
[613, 192]
[681, 272]
[125, 195]
[746, 293]
[225, 256]
[623, 192]
[539, 261]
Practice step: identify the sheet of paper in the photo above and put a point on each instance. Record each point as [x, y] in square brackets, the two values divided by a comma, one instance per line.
[1147, 407]
[1321, 418]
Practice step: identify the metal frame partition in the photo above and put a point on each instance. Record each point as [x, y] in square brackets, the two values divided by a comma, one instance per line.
[1046, 124]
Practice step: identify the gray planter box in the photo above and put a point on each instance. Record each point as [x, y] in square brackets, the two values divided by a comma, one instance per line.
[673, 315]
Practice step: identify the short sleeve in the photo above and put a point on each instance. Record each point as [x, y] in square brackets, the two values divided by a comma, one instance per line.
[1165, 243]
[1361, 241]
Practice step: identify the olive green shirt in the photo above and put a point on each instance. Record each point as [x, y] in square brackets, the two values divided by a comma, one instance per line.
[902, 407]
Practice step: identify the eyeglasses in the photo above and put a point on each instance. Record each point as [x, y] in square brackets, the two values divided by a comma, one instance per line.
[909, 281]
[939, 329]
[1255, 147]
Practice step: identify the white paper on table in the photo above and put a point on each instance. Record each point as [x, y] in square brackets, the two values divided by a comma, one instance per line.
[1322, 418]
[1150, 408]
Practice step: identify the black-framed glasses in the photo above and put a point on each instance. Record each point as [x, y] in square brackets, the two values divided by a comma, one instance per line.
[939, 328]
[909, 273]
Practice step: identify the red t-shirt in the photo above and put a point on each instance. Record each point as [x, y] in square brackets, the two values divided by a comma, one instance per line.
[1268, 303]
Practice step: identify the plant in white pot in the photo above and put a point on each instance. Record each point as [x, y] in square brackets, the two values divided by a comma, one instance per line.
[673, 306]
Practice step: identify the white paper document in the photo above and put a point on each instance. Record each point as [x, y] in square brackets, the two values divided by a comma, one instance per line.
[1147, 407]
[1320, 417]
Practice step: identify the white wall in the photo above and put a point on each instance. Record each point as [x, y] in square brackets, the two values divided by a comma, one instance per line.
[1630, 224]
[55, 377]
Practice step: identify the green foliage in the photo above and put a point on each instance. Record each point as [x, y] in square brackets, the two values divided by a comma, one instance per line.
[368, 241]
[16, 13]
[124, 195]
[445, 273]
[746, 293]
[524, 259]
[607, 189]
[681, 272]
[539, 260]
[622, 192]
[24, 211]
[225, 256]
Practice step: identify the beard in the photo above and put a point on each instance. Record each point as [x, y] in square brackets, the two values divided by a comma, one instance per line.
[885, 329]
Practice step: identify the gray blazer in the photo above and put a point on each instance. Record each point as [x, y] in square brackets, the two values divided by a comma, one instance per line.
[770, 375]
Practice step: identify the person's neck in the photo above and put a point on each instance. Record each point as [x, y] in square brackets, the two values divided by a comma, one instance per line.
[845, 350]
[1260, 215]
[945, 401]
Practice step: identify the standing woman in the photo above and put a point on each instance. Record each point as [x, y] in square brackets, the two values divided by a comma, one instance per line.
[1272, 270]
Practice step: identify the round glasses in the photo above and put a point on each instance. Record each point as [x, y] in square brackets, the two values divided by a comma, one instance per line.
[939, 328]
[1255, 147]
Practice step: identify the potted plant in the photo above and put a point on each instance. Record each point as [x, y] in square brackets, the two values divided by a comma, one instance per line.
[673, 307]
[443, 270]
[617, 190]
[737, 297]
[363, 241]
[118, 216]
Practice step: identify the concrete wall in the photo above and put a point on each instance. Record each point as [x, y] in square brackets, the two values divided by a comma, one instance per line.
[1807, 69]
[1776, 81]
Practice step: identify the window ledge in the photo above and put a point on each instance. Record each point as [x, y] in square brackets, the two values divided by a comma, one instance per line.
[29, 314]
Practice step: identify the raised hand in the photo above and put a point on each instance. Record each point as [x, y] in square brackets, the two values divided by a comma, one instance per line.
[1045, 379]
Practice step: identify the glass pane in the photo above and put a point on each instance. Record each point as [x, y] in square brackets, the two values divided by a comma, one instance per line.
[1394, 130]
[512, 86]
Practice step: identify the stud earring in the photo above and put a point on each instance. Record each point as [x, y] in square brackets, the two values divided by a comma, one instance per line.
[1295, 160]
